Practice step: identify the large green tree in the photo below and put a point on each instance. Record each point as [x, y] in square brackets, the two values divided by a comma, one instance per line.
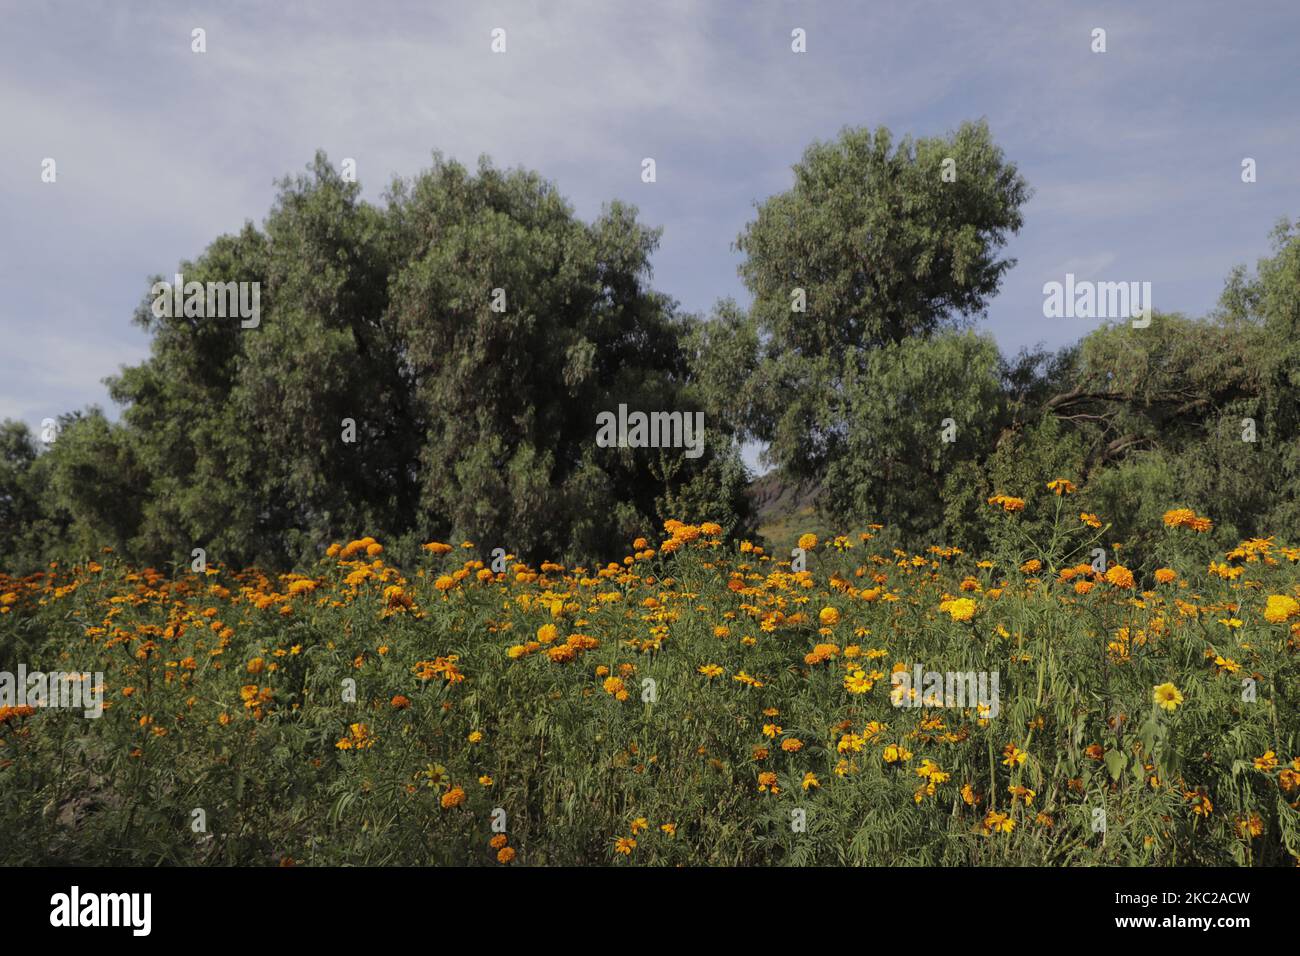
[877, 246]
[431, 366]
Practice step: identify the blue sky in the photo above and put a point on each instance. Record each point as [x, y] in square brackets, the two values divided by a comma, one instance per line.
[1134, 154]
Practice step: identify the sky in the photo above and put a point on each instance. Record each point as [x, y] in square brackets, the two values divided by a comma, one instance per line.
[1134, 154]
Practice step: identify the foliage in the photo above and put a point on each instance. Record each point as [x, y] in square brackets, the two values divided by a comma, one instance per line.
[579, 710]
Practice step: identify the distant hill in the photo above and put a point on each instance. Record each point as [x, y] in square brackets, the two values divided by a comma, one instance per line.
[785, 510]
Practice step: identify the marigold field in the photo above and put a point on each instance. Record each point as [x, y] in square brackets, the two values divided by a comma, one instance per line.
[680, 706]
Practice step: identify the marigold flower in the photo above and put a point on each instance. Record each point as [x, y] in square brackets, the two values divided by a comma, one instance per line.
[1007, 503]
[1280, 608]
[959, 609]
[1167, 696]
[1119, 576]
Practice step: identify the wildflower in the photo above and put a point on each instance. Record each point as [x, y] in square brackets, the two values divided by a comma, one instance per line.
[959, 609]
[1091, 520]
[1061, 486]
[810, 781]
[1167, 696]
[996, 822]
[710, 670]
[669, 828]
[807, 541]
[505, 854]
[1202, 806]
[767, 783]
[624, 845]
[359, 737]
[1119, 576]
[857, 682]
[452, 798]
[1013, 756]
[1008, 503]
[896, 753]
[829, 616]
[1266, 762]
[1186, 518]
[1281, 608]
[1165, 575]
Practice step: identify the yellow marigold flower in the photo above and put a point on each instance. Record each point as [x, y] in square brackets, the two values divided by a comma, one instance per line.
[1008, 503]
[445, 582]
[767, 783]
[475, 736]
[959, 609]
[1202, 806]
[505, 854]
[1061, 486]
[1166, 575]
[1119, 576]
[547, 633]
[829, 616]
[807, 541]
[1280, 608]
[1186, 518]
[996, 822]
[1167, 696]
[1266, 762]
[624, 845]
[498, 841]
[810, 781]
[897, 753]
[792, 745]
[850, 743]
[452, 798]
[710, 670]
[1013, 756]
[639, 824]
[857, 682]
[1091, 520]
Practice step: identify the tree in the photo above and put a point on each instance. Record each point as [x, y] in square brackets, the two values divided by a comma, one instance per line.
[873, 245]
